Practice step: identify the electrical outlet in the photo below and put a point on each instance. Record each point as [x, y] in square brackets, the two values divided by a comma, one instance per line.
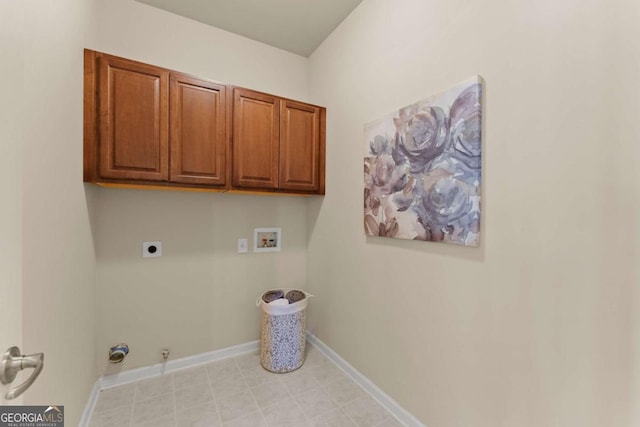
[151, 249]
[243, 246]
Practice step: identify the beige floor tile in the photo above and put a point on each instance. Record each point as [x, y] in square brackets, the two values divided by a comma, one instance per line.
[190, 377]
[193, 396]
[167, 421]
[120, 416]
[327, 374]
[258, 375]
[221, 369]
[299, 382]
[365, 411]
[236, 405]
[248, 361]
[389, 421]
[333, 418]
[238, 392]
[344, 391]
[114, 397]
[314, 357]
[154, 408]
[284, 415]
[251, 419]
[199, 416]
[229, 385]
[153, 387]
[270, 394]
[314, 402]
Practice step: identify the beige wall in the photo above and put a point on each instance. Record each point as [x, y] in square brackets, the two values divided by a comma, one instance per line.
[538, 326]
[623, 204]
[199, 296]
[138, 31]
[11, 45]
[58, 263]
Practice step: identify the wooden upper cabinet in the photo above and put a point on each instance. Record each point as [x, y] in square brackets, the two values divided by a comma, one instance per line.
[198, 131]
[277, 143]
[133, 120]
[255, 139]
[146, 125]
[299, 146]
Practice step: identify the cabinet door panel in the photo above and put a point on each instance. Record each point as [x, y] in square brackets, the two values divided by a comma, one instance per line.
[133, 121]
[255, 139]
[198, 136]
[299, 146]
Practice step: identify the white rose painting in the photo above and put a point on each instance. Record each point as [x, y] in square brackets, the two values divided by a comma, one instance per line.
[422, 169]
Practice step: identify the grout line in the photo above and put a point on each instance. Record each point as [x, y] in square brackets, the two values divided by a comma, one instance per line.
[133, 405]
[295, 401]
[348, 416]
[328, 356]
[339, 406]
[175, 404]
[215, 399]
[264, 419]
[258, 406]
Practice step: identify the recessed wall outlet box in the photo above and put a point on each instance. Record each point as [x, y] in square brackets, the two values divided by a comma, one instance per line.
[243, 246]
[151, 249]
[267, 239]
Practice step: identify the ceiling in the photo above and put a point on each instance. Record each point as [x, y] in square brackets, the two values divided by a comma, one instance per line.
[298, 26]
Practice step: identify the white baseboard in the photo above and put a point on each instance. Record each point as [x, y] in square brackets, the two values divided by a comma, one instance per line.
[401, 414]
[156, 370]
[175, 365]
[91, 403]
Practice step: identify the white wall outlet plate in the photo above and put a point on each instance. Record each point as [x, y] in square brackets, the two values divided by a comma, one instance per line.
[151, 249]
[243, 246]
[267, 239]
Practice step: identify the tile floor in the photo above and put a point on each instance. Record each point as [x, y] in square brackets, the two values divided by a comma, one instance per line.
[237, 392]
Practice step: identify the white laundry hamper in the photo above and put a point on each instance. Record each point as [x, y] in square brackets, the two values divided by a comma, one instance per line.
[283, 333]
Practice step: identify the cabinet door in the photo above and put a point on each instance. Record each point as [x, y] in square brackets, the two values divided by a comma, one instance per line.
[255, 139]
[299, 146]
[198, 131]
[133, 120]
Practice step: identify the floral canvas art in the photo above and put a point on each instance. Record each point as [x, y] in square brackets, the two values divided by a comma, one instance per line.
[422, 169]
